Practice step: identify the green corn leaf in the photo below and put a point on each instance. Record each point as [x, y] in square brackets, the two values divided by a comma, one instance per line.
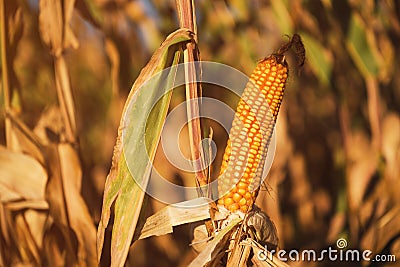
[318, 58]
[138, 135]
[282, 16]
[359, 47]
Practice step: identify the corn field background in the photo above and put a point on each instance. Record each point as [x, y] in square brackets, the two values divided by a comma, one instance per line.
[65, 77]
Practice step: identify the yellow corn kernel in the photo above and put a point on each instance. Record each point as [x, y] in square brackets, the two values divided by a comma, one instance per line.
[233, 207]
[241, 191]
[236, 197]
[242, 202]
[244, 208]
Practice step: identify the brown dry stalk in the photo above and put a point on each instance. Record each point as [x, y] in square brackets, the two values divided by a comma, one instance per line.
[187, 20]
[6, 86]
[374, 111]
[65, 98]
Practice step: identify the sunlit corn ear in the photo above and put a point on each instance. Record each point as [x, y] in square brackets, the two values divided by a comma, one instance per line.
[251, 132]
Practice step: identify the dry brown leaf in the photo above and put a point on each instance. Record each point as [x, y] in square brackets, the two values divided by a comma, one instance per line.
[114, 57]
[209, 255]
[51, 24]
[53, 248]
[3, 225]
[395, 249]
[375, 206]
[301, 190]
[336, 226]
[69, 37]
[65, 98]
[200, 238]
[54, 17]
[36, 221]
[21, 177]
[56, 197]
[23, 139]
[391, 144]
[15, 22]
[28, 249]
[382, 231]
[67, 206]
[239, 256]
[162, 222]
[363, 164]
[49, 126]
[263, 257]
[11, 33]
[9, 235]
[27, 204]
[23, 233]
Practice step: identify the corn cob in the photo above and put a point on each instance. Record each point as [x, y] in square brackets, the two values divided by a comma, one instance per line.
[252, 129]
